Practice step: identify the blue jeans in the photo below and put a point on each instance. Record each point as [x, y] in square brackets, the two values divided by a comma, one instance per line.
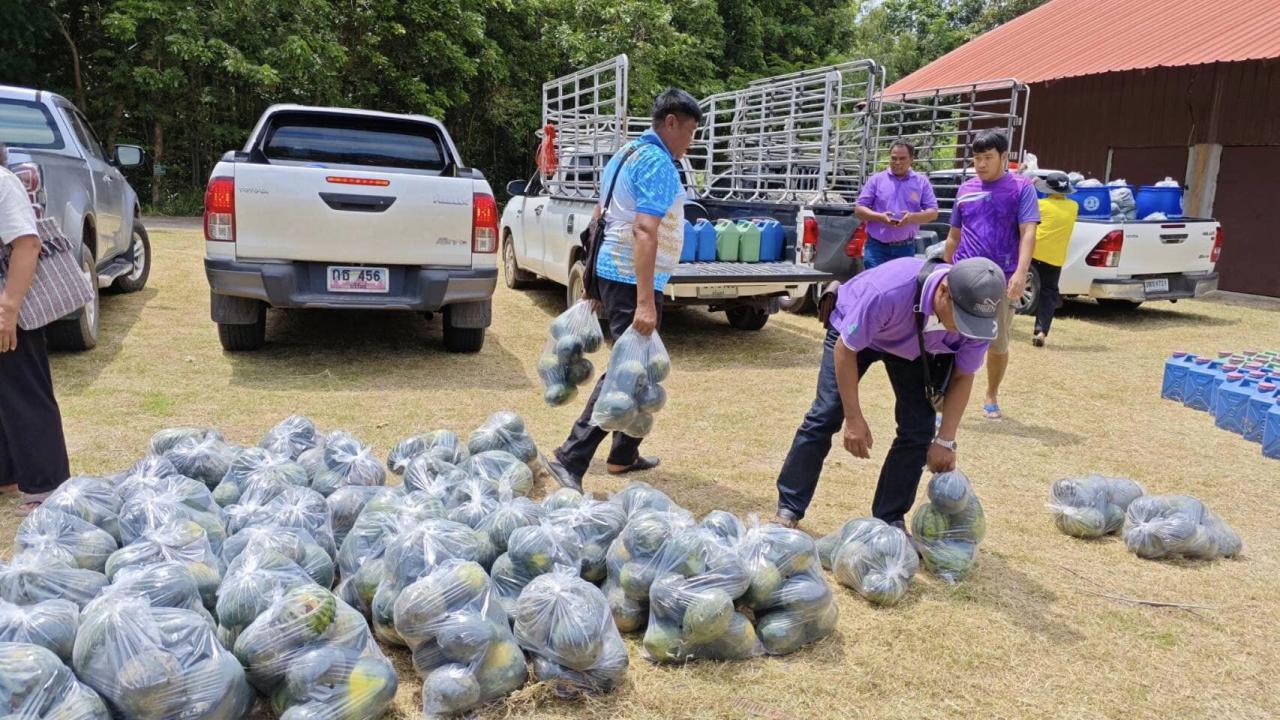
[876, 253]
[904, 464]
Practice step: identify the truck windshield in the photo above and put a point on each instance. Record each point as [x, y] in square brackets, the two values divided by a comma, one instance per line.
[354, 140]
[28, 125]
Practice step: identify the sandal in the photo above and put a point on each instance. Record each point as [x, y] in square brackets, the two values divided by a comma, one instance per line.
[642, 463]
[991, 411]
[30, 503]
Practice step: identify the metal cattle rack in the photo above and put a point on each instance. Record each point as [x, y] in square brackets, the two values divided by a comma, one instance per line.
[588, 110]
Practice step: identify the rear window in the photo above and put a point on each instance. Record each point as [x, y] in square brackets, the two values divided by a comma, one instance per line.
[28, 125]
[354, 140]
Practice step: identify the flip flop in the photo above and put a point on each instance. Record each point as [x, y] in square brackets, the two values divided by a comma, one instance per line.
[991, 411]
[641, 463]
[30, 503]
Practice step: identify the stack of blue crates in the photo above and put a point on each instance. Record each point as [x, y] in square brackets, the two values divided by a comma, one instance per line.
[1241, 390]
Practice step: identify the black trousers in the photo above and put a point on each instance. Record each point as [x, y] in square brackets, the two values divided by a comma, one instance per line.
[1050, 298]
[903, 466]
[619, 300]
[33, 452]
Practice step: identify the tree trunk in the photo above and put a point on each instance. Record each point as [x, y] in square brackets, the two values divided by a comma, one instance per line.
[113, 131]
[157, 155]
[75, 61]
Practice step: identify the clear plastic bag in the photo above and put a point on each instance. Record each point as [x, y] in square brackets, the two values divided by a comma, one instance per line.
[725, 525]
[254, 464]
[691, 602]
[288, 506]
[1177, 526]
[461, 639]
[296, 545]
[58, 533]
[412, 554]
[876, 560]
[50, 624]
[91, 499]
[167, 583]
[510, 514]
[168, 499]
[35, 576]
[431, 474]
[564, 621]
[533, 551]
[206, 459]
[162, 441]
[472, 501]
[440, 445]
[360, 561]
[1091, 506]
[788, 595]
[632, 391]
[347, 462]
[640, 495]
[346, 504]
[1123, 204]
[563, 366]
[179, 541]
[155, 663]
[501, 471]
[312, 654]
[948, 528]
[632, 563]
[35, 685]
[505, 431]
[597, 523]
[561, 498]
[255, 579]
[291, 437]
[142, 474]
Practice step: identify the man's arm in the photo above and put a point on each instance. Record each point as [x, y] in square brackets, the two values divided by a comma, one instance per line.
[866, 214]
[646, 258]
[857, 435]
[953, 241]
[921, 217]
[22, 269]
[1026, 248]
[941, 459]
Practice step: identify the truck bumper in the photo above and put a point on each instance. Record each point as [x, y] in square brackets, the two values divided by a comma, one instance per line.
[1141, 289]
[302, 285]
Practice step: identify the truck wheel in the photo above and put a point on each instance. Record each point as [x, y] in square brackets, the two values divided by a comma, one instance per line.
[801, 304]
[244, 337]
[1030, 300]
[461, 340]
[573, 291]
[79, 333]
[747, 317]
[515, 278]
[140, 251]
[1120, 304]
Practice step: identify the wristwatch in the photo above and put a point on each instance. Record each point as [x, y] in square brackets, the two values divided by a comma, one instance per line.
[948, 444]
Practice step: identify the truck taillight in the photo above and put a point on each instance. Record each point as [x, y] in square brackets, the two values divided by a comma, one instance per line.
[33, 180]
[1217, 246]
[811, 231]
[857, 241]
[1107, 252]
[484, 224]
[220, 210]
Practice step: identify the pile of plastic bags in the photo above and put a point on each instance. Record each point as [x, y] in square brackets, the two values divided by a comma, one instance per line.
[1091, 506]
[632, 391]
[1177, 526]
[871, 557]
[788, 595]
[563, 366]
[565, 623]
[633, 559]
[948, 528]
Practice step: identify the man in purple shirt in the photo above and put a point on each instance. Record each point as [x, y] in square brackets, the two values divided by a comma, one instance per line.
[875, 319]
[995, 216]
[893, 204]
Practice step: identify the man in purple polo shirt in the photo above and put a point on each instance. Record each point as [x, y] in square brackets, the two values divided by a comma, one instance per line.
[893, 204]
[995, 216]
[875, 319]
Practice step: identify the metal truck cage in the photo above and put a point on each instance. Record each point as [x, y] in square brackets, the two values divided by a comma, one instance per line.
[588, 110]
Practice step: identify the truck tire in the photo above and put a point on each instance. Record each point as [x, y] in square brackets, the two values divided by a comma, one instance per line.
[515, 278]
[747, 317]
[238, 337]
[140, 251]
[1030, 300]
[79, 333]
[801, 304]
[461, 340]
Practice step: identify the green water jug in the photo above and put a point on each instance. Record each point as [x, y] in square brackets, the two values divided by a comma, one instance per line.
[727, 241]
[748, 241]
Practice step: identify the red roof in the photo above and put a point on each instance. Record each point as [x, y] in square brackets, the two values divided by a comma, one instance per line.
[1070, 38]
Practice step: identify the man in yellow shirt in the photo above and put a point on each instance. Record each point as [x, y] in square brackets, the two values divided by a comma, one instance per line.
[1053, 235]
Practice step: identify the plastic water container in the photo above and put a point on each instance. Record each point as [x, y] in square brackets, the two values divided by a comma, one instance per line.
[772, 238]
[1094, 202]
[689, 250]
[727, 241]
[706, 240]
[1271, 433]
[1197, 393]
[1167, 200]
[1175, 375]
[748, 241]
[1263, 399]
[1230, 401]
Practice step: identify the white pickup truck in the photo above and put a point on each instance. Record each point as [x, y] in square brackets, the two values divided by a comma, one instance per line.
[349, 209]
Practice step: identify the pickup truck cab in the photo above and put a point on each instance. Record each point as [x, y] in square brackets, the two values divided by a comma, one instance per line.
[71, 178]
[349, 209]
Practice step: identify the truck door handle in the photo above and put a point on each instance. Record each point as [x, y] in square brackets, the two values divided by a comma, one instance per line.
[357, 203]
[538, 211]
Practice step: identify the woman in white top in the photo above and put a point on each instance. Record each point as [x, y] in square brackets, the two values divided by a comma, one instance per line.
[33, 452]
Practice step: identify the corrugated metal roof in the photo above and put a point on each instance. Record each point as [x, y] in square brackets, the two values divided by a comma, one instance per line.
[1071, 38]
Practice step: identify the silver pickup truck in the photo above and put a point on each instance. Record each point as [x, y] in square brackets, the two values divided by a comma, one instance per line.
[69, 177]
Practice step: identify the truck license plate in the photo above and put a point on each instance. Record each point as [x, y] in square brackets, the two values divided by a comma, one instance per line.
[357, 279]
[1157, 285]
[718, 291]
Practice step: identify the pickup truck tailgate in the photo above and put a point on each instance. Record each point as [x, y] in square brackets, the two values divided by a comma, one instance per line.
[1177, 246]
[746, 273]
[293, 212]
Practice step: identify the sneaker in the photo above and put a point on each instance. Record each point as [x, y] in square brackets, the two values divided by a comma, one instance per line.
[562, 475]
[787, 519]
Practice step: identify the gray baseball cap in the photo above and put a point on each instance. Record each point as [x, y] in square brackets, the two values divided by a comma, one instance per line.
[976, 285]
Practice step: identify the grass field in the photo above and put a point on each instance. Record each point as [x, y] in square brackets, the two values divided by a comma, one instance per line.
[1028, 636]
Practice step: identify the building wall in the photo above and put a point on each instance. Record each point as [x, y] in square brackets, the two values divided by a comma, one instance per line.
[1143, 125]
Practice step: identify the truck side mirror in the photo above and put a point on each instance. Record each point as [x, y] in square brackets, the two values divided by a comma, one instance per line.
[129, 156]
[516, 187]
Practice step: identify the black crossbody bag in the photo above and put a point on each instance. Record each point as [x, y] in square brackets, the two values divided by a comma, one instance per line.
[593, 236]
[937, 368]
